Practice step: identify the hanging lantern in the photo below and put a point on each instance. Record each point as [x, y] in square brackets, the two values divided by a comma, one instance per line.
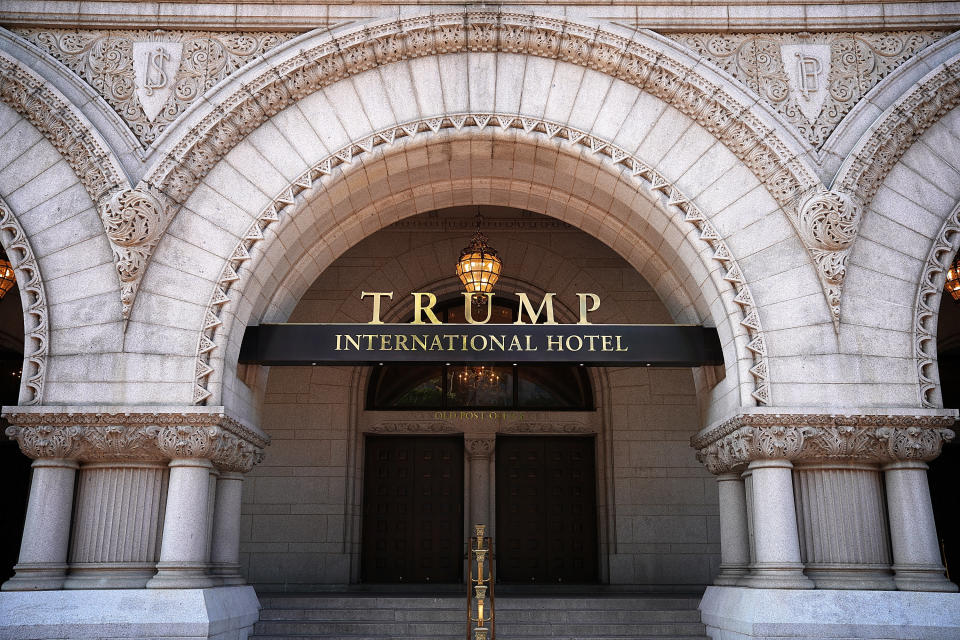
[479, 266]
[953, 279]
[7, 277]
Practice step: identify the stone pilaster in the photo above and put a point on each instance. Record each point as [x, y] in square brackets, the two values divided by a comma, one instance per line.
[116, 525]
[479, 451]
[225, 552]
[834, 460]
[843, 532]
[734, 529]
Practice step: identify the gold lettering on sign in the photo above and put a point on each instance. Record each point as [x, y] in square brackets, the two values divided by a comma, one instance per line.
[376, 303]
[156, 77]
[525, 305]
[595, 304]
[420, 308]
[468, 306]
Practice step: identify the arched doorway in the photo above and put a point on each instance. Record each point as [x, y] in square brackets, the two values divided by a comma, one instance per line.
[618, 438]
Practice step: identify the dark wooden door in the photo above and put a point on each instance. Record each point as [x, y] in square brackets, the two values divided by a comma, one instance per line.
[412, 509]
[546, 509]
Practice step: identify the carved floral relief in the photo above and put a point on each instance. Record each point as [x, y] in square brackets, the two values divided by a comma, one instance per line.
[151, 77]
[813, 80]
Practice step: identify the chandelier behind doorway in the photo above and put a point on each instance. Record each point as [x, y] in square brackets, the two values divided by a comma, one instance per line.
[479, 268]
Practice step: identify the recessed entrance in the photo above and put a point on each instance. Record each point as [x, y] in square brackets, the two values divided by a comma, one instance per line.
[413, 509]
[546, 509]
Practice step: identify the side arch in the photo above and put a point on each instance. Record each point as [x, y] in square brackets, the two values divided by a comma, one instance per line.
[33, 299]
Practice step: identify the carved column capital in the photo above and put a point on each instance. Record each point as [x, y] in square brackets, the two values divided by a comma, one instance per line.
[479, 447]
[854, 437]
[109, 435]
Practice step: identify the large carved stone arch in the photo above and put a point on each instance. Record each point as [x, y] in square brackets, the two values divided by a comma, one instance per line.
[313, 230]
[906, 169]
[771, 150]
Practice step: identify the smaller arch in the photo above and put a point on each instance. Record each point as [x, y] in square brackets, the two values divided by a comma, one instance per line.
[33, 297]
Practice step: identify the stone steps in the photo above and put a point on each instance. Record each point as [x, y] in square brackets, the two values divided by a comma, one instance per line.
[612, 616]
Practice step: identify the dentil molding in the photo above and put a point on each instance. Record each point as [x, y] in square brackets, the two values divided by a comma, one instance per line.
[857, 437]
[104, 436]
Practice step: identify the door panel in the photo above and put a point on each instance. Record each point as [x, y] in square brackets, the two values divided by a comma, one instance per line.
[546, 509]
[413, 509]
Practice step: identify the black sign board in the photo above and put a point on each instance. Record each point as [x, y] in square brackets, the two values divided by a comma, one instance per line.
[592, 344]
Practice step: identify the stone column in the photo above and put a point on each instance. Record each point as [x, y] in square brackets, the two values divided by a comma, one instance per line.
[46, 532]
[734, 531]
[225, 553]
[778, 562]
[913, 534]
[479, 450]
[183, 553]
[843, 531]
[116, 529]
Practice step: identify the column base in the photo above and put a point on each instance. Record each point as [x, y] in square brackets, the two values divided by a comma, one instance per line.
[876, 577]
[125, 614]
[110, 575]
[776, 576]
[737, 613]
[227, 574]
[731, 575]
[921, 578]
[172, 575]
[36, 577]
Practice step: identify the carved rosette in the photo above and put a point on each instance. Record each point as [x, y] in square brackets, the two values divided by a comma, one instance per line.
[116, 437]
[133, 220]
[878, 439]
[828, 222]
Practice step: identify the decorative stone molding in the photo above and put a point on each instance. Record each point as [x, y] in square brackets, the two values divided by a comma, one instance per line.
[928, 306]
[896, 129]
[670, 196]
[639, 64]
[828, 222]
[771, 64]
[413, 427]
[129, 436]
[63, 125]
[548, 427]
[866, 438]
[479, 447]
[33, 299]
[133, 220]
[175, 67]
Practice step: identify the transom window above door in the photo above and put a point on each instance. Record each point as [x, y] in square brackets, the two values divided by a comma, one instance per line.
[518, 387]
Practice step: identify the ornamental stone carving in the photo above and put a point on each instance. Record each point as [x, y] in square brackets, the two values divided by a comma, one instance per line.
[815, 90]
[133, 220]
[33, 298]
[151, 77]
[828, 222]
[876, 438]
[479, 447]
[117, 437]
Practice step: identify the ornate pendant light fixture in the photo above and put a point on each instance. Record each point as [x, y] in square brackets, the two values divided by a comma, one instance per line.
[479, 265]
[7, 277]
[953, 279]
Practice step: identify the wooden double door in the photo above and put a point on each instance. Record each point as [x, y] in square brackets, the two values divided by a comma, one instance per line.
[546, 510]
[546, 531]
